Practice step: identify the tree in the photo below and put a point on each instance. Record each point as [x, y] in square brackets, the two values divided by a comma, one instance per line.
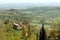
[42, 32]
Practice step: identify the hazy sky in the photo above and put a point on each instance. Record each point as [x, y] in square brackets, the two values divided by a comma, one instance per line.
[28, 1]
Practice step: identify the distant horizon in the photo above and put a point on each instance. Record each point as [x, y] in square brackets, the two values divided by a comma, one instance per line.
[28, 5]
[48, 3]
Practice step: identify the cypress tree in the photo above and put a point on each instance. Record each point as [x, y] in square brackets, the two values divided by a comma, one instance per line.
[42, 32]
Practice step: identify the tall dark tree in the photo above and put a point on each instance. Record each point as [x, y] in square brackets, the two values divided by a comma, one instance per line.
[42, 32]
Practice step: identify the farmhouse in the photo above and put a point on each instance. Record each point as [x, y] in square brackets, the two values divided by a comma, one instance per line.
[17, 26]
